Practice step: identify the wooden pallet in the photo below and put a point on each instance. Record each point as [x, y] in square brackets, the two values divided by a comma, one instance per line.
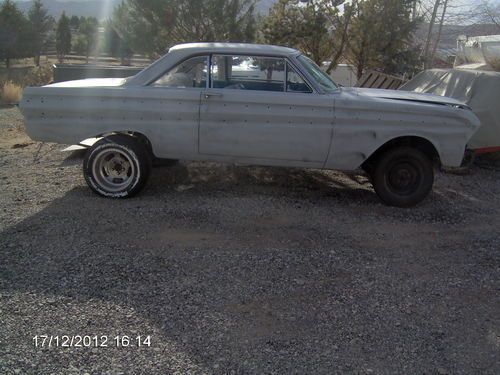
[377, 80]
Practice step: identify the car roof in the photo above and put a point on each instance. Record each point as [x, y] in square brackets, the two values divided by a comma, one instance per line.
[183, 51]
[243, 48]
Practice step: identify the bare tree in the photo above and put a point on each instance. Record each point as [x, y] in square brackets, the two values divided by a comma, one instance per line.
[440, 30]
[341, 34]
[491, 13]
[425, 52]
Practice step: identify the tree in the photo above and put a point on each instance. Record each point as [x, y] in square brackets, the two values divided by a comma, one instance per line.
[340, 34]
[74, 23]
[303, 26]
[151, 26]
[14, 33]
[137, 32]
[116, 45]
[491, 13]
[317, 28]
[429, 61]
[426, 50]
[41, 26]
[380, 36]
[63, 37]
[88, 31]
[361, 37]
[79, 45]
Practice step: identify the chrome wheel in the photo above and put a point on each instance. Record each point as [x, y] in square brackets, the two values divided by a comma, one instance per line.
[113, 170]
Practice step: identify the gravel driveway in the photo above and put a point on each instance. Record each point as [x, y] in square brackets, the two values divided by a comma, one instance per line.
[243, 270]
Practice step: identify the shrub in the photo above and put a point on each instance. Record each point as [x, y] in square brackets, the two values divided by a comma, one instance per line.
[27, 76]
[37, 76]
[11, 93]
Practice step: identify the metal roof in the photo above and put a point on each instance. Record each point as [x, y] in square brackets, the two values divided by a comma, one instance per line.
[245, 48]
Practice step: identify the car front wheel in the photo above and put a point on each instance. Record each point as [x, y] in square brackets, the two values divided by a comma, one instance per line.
[403, 177]
[117, 166]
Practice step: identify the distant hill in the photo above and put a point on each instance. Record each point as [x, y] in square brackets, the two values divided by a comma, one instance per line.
[450, 34]
[96, 8]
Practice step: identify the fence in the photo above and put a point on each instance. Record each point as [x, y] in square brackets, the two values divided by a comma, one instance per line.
[376, 80]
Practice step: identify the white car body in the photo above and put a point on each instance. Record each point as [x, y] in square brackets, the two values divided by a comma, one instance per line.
[335, 129]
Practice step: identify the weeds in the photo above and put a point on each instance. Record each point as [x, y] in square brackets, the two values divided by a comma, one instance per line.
[11, 93]
[26, 76]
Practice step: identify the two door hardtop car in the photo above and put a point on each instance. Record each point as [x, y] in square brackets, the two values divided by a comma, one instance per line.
[249, 104]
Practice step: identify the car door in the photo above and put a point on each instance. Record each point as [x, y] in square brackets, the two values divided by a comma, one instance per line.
[261, 108]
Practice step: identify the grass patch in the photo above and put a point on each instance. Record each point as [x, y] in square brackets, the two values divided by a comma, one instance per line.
[11, 93]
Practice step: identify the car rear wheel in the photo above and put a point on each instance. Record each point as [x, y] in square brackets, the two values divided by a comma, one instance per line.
[403, 177]
[117, 166]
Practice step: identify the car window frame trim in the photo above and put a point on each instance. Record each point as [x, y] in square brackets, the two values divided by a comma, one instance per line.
[292, 59]
[300, 75]
[286, 59]
[150, 82]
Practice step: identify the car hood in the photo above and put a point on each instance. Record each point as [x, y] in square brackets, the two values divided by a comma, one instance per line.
[404, 96]
[91, 82]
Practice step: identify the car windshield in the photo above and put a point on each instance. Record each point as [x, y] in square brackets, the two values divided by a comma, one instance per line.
[315, 71]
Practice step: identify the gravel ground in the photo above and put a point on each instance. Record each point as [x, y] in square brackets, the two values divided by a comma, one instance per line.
[244, 270]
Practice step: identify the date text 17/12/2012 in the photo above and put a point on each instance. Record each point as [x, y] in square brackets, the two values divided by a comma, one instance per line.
[91, 341]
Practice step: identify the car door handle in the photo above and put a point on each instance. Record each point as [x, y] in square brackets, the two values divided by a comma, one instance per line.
[209, 94]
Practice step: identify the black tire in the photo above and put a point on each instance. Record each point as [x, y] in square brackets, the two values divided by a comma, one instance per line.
[403, 177]
[117, 166]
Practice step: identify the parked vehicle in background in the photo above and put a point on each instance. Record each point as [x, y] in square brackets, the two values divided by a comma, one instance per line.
[249, 104]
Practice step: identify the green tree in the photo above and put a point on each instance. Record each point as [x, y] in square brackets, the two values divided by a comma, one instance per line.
[380, 36]
[41, 27]
[316, 27]
[141, 34]
[63, 37]
[14, 33]
[74, 23]
[151, 26]
[79, 45]
[115, 43]
[88, 31]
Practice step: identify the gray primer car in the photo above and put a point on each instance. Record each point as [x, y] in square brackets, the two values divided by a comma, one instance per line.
[249, 104]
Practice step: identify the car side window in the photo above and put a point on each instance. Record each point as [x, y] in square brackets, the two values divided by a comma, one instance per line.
[248, 73]
[191, 73]
[294, 82]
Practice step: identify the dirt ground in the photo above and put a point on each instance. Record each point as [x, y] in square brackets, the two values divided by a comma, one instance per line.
[243, 270]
